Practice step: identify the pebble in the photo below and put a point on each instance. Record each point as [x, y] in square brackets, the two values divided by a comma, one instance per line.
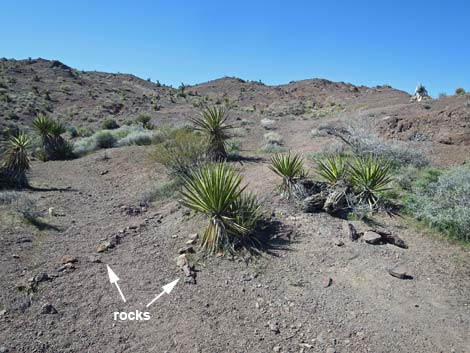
[66, 267]
[193, 236]
[3, 349]
[186, 249]
[400, 272]
[48, 309]
[41, 277]
[372, 237]
[274, 327]
[68, 259]
[277, 348]
[338, 242]
[191, 242]
[327, 282]
[181, 260]
[102, 248]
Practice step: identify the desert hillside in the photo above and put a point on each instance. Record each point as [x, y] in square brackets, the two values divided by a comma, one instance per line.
[325, 265]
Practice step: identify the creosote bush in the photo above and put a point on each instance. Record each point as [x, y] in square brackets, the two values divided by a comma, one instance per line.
[215, 190]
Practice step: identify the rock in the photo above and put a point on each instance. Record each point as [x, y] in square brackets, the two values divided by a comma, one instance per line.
[68, 259]
[186, 249]
[338, 242]
[349, 231]
[274, 327]
[193, 236]
[392, 239]
[327, 282]
[313, 203]
[190, 280]
[305, 345]
[66, 267]
[187, 270]
[191, 242]
[102, 248]
[104, 172]
[48, 309]
[41, 277]
[372, 238]
[3, 312]
[181, 260]
[3, 349]
[277, 348]
[15, 256]
[400, 272]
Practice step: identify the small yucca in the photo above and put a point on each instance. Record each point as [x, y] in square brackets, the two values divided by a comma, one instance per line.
[370, 176]
[16, 160]
[290, 167]
[213, 124]
[333, 168]
[214, 190]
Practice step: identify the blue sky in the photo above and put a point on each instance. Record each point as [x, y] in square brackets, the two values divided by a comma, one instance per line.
[394, 42]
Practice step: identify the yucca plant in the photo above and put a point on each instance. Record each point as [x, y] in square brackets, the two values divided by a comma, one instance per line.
[54, 146]
[16, 160]
[213, 124]
[290, 167]
[370, 176]
[332, 168]
[214, 190]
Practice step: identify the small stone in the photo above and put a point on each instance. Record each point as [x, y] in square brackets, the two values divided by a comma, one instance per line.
[190, 280]
[102, 248]
[372, 238]
[68, 259]
[193, 236]
[41, 277]
[174, 236]
[67, 267]
[15, 256]
[48, 309]
[219, 254]
[187, 270]
[277, 348]
[349, 231]
[186, 249]
[338, 242]
[274, 327]
[400, 272]
[327, 282]
[181, 260]
[191, 242]
[104, 172]
[305, 345]
[3, 349]
[3, 312]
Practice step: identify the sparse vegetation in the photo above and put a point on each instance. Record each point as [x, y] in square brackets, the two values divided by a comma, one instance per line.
[109, 124]
[460, 91]
[441, 199]
[267, 124]
[215, 190]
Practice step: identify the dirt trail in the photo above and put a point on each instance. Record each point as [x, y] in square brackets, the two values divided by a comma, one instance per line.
[277, 301]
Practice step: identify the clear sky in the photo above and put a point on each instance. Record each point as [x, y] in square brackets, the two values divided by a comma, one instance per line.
[372, 42]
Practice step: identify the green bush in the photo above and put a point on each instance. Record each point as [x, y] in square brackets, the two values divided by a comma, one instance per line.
[104, 139]
[181, 153]
[109, 124]
[441, 199]
[145, 119]
[460, 91]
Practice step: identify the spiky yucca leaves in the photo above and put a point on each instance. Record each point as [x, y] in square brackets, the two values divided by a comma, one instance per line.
[54, 146]
[290, 167]
[212, 123]
[332, 168]
[370, 176]
[215, 191]
[16, 160]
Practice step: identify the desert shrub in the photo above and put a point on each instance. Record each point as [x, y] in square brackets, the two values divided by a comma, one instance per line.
[213, 125]
[181, 152]
[460, 91]
[365, 144]
[72, 130]
[139, 138]
[104, 139]
[273, 138]
[267, 124]
[442, 200]
[332, 168]
[233, 148]
[215, 191]
[144, 120]
[290, 167]
[370, 177]
[15, 162]
[109, 124]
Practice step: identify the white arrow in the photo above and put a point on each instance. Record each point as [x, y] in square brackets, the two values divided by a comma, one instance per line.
[113, 278]
[167, 288]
